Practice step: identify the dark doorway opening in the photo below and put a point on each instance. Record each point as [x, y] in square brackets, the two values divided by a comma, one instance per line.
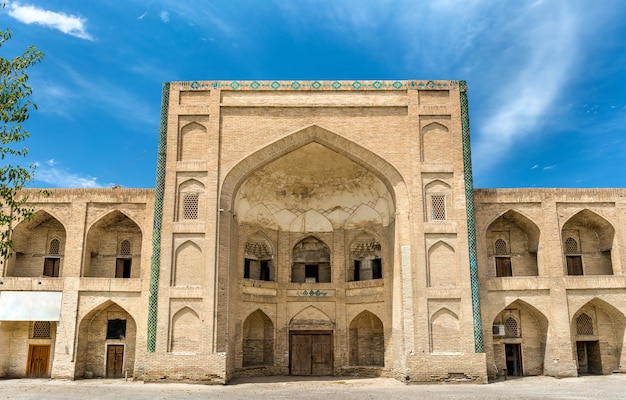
[589, 360]
[513, 354]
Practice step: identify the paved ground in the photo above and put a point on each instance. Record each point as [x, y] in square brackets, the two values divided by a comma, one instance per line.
[588, 387]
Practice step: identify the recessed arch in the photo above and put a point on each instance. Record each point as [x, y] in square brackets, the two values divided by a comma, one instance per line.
[442, 270]
[102, 247]
[185, 333]
[594, 236]
[520, 324]
[366, 337]
[188, 264]
[311, 261]
[444, 332]
[192, 143]
[311, 317]
[35, 253]
[258, 340]
[100, 328]
[520, 235]
[436, 142]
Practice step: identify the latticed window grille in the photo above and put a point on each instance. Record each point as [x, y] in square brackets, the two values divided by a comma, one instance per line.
[584, 325]
[54, 246]
[501, 249]
[125, 248]
[511, 328]
[438, 205]
[190, 205]
[40, 330]
[571, 246]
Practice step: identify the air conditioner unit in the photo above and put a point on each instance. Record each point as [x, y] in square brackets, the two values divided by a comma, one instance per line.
[497, 330]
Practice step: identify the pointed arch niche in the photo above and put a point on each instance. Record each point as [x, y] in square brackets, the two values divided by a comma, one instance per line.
[587, 244]
[39, 247]
[512, 245]
[444, 332]
[597, 330]
[519, 339]
[367, 340]
[193, 142]
[113, 248]
[258, 340]
[436, 142]
[185, 331]
[188, 265]
[442, 270]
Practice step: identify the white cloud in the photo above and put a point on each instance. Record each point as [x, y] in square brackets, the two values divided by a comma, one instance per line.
[69, 24]
[549, 167]
[165, 16]
[535, 166]
[55, 176]
[142, 15]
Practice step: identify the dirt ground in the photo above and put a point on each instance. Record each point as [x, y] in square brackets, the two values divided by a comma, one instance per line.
[587, 387]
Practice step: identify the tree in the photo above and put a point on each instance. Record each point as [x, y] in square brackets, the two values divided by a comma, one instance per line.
[15, 105]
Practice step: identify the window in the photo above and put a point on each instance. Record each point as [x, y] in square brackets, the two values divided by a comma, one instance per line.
[40, 330]
[503, 259]
[265, 270]
[122, 268]
[190, 206]
[377, 268]
[54, 247]
[116, 329]
[51, 267]
[311, 272]
[511, 327]
[125, 248]
[357, 270]
[573, 259]
[246, 268]
[584, 325]
[438, 207]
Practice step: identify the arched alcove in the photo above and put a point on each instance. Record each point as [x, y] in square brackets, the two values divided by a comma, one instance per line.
[258, 340]
[185, 331]
[594, 237]
[192, 142]
[366, 340]
[442, 270]
[188, 265]
[444, 332]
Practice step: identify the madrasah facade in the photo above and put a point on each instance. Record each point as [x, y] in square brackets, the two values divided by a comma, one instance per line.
[315, 228]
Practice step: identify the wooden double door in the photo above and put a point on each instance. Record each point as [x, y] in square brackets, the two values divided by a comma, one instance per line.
[38, 361]
[115, 361]
[311, 353]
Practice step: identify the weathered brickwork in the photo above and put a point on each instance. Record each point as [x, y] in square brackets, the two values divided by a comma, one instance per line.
[317, 228]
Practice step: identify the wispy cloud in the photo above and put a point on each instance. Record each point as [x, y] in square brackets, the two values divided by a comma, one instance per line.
[142, 16]
[549, 167]
[54, 175]
[69, 24]
[165, 16]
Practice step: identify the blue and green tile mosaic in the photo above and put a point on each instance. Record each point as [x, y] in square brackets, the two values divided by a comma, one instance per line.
[318, 85]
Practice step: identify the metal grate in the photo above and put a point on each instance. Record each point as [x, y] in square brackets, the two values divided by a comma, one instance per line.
[190, 206]
[512, 330]
[571, 246]
[125, 248]
[54, 246]
[438, 204]
[584, 325]
[501, 249]
[40, 330]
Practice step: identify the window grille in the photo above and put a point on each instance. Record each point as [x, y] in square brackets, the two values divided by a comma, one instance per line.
[511, 327]
[584, 325]
[438, 203]
[571, 246]
[40, 330]
[125, 248]
[501, 249]
[54, 246]
[190, 205]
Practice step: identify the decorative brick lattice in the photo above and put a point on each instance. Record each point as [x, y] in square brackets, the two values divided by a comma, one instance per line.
[511, 328]
[438, 207]
[501, 249]
[155, 262]
[471, 221]
[190, 205]
[571, 246]
[584, 325]
[54, 246]
[125, 248]
[40, 330]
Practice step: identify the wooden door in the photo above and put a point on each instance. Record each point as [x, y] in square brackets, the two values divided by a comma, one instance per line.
[115, 360]
[513, 354]
[38, 359]
[311, 353]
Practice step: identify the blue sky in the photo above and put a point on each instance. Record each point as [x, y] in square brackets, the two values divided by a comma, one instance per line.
[547, 79]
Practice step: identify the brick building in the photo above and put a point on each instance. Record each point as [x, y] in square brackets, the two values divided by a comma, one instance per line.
[315, 228]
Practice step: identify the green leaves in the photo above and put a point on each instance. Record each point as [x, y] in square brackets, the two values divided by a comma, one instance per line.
[15, 107]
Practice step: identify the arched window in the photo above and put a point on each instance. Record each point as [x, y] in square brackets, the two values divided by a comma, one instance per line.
[52, 265]
[365, 253]
[54, 247]
[584, 325]
[511, 327]
[124, 260]
[190, 206]
[257, 263]
[571, 246]
[503, 259]
[311, 261]
[573, 258]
